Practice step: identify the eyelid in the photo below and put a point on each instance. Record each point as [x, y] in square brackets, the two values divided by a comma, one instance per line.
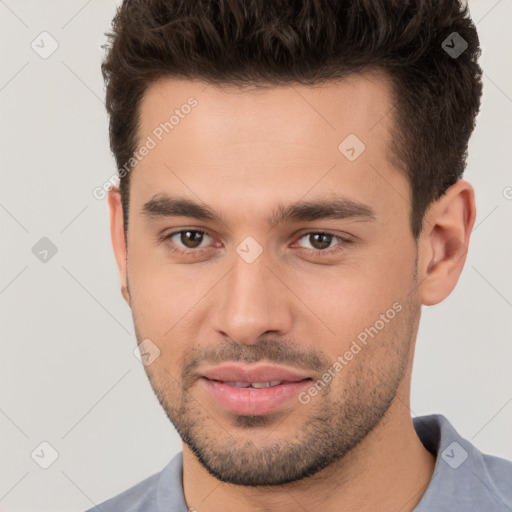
[340, 246]
[343, 240]
[167, 237]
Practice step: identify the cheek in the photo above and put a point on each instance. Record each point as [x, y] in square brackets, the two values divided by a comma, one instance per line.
[163, 294]
[349, 299]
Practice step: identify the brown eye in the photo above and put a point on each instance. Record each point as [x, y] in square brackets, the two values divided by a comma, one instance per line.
[191, 239]
[319, 241]
[187, 240]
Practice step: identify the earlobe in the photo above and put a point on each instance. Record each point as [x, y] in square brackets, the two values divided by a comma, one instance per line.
[444, 241]
[118, 238]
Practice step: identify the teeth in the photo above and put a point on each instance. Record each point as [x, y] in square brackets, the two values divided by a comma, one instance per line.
[238, 384]
[265, 384]
[254, 384]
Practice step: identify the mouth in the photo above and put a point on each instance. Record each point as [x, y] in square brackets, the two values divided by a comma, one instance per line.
[253, 390]
[257, 385]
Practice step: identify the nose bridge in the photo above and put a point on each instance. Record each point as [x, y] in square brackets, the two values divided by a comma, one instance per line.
[251, 301]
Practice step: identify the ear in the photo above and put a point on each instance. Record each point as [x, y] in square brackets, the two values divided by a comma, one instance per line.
[443, 242]
[118, 238]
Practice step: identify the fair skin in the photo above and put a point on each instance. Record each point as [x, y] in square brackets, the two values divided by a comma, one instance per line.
[297, 306]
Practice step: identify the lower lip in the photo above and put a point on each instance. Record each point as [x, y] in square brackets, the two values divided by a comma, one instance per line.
[253, 401]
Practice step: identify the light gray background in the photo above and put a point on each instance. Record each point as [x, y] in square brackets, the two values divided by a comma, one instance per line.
[68, 375]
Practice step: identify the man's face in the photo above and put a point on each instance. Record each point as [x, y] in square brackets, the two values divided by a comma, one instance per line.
[296, 298]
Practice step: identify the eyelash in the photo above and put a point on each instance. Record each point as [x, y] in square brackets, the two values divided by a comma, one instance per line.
[316, 252]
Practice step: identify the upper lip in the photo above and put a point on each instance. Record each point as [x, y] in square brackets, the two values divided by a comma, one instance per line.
[233, 372]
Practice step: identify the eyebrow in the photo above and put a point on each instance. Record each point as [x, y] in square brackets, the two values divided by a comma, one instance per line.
[336, 208]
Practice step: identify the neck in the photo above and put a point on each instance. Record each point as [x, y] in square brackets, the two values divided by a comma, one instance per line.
[389, 470]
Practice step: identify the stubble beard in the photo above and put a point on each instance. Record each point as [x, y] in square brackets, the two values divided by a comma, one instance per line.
[339, 418]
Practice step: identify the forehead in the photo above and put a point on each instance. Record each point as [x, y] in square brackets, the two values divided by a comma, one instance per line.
[285, 140]
[356, 104]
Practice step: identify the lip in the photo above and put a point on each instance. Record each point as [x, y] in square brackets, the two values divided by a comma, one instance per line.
[233, 372]
[252, 401]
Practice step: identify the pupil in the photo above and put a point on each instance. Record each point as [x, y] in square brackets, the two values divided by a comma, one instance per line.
[191, 239]
[323, 243]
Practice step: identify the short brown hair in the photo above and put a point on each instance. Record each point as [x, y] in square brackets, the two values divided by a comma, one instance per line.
[271, 42]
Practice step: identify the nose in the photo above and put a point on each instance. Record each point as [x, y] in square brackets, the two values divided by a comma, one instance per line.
[251, 301]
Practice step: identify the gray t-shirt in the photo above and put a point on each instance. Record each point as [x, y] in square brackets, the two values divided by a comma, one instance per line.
[464, 479]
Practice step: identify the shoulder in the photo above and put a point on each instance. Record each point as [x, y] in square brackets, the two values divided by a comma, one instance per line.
[495, 475]
[162, 489]
[140, 497]
[463, 476]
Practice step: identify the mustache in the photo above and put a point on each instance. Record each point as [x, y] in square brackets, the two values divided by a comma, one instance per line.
[267, 350]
